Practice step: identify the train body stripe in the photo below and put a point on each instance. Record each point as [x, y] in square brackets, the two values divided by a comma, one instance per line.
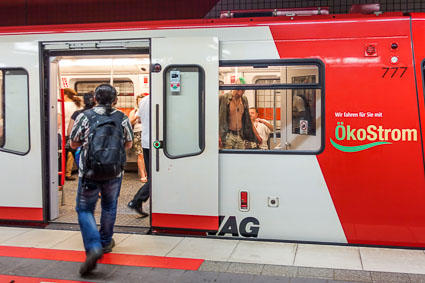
[21, 213]
[202, 222]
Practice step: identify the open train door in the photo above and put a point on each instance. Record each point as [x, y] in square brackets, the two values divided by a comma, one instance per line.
[184, 133]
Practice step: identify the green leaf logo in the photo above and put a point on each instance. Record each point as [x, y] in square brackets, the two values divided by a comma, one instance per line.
[356, 148]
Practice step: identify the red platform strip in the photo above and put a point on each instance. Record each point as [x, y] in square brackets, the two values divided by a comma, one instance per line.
[24, 279]
[111, 258]
[197, 222]
[21, 213]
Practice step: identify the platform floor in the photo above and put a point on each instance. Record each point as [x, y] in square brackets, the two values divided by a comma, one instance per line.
[56, 254]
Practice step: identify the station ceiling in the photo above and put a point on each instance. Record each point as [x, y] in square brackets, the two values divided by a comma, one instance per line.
[45, 12]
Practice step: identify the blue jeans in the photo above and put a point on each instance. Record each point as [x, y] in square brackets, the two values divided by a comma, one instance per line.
[87, 196]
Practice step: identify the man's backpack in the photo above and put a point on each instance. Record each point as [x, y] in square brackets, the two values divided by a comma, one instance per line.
[105, 155]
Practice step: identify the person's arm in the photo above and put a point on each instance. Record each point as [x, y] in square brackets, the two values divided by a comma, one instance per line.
[128, 144]
[128, 133]
[268, 125]
[133, 116]
[76, 132]
[260, 140]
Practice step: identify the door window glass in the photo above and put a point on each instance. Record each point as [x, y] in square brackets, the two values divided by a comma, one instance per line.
[184, 132]
[14, 110]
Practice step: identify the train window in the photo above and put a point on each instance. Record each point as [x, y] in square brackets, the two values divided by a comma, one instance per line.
[125, 90]
[268, 102]
[184, 132]
[271, 105]
[14, 112]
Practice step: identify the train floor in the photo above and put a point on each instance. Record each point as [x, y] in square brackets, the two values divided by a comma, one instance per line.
[125, 216]
[47, 255]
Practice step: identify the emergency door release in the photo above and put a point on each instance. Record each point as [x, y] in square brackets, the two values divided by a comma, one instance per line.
[175, 82]
[243, 201]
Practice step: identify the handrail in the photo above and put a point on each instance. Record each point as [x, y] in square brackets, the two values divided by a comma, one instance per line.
[61, 100]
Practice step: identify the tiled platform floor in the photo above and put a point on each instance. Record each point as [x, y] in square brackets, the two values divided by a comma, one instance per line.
[125, 216]
[288, 261]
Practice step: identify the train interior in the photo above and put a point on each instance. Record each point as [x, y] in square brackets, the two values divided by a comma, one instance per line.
[129, 74]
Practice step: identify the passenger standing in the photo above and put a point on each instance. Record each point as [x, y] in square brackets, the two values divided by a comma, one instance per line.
[137, 143]
[92, 172]
[263, 127]
[235, 126]
[72, 103]
[89, 103]
[143, 193]
[298, 112]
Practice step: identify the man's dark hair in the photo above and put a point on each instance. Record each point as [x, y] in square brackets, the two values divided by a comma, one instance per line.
[105, 95]
[256, 111]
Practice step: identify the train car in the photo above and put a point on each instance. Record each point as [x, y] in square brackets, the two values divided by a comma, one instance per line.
[349, 169]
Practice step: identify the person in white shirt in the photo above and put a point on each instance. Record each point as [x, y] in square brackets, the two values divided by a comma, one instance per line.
[143, 193]
[263, 127]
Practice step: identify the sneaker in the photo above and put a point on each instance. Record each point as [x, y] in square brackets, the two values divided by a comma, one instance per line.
[108, 248]
[91, 261]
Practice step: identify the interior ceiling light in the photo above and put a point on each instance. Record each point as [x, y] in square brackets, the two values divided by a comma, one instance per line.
[104, 62]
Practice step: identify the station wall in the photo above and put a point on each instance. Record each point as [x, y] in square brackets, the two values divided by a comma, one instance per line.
[335, 6]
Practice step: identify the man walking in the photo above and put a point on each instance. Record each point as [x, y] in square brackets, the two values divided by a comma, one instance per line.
[104, 134]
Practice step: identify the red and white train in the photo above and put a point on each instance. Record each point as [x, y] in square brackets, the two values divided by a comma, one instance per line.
[350, 171]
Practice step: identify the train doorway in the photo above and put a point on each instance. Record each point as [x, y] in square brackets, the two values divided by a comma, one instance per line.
[82, 66]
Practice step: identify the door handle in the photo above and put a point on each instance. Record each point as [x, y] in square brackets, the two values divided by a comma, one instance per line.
[157, 137]
[158, 144]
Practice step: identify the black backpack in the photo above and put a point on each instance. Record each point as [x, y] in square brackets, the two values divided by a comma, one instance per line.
[105, 155]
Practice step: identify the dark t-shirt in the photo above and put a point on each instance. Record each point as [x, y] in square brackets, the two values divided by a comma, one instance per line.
[76, 113]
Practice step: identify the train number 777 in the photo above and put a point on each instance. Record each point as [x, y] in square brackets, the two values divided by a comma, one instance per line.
[394, 71]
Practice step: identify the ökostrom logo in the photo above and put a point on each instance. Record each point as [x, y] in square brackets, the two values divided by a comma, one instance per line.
[376, 135]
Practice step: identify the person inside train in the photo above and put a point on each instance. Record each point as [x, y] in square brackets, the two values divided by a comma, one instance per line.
[143, 193]
[298, 112]
[137, 144]
[72, 103]
[89, 103]
[235, 126]
[95, 179]
[263, 127]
